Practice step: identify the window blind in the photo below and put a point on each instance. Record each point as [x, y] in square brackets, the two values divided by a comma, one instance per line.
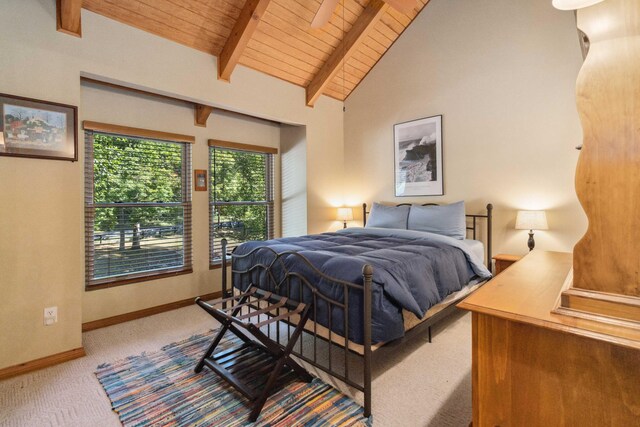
[241, 197]
[137, 208]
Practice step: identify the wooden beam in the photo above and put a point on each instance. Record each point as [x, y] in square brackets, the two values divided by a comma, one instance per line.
[137, 132]
[243, 147]
[240, 35]
[365, 22]
[403, 6]
[68, 14]
[202, 113]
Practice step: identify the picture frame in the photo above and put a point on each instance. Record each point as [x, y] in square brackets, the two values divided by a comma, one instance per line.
[200, 179]
[418, 157]
[38, 129]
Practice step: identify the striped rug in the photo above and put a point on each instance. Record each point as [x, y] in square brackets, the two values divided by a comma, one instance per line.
[161, 389]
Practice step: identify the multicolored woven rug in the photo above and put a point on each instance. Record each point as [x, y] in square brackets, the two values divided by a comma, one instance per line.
[161, 389]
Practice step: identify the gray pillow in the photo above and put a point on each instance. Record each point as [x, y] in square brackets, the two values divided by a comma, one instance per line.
[388, 216]
[447, 220]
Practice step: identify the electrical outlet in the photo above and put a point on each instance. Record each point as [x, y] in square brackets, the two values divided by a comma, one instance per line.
[50, 315]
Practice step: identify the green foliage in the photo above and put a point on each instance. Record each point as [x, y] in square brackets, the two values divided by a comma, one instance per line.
[129, 170]
[239, 176]
[240, 223]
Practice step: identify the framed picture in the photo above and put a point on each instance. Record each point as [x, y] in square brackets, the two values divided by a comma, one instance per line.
[38, 129]
[418, 157]
[200, 179]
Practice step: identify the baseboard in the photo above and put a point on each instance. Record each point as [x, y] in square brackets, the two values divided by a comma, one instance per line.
[121, 318]
[41, 363]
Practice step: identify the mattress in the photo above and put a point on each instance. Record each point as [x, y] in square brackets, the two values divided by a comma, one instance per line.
[410, 321]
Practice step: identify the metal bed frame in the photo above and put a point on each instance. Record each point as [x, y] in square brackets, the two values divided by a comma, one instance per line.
[293, 285]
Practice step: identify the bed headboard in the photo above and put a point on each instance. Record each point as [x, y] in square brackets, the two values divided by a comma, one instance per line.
[472, 225]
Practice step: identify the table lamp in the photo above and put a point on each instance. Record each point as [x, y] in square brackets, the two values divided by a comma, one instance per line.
[573, 4]
[531, 220]
[344, 215]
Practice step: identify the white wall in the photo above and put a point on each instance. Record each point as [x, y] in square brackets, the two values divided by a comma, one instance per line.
[41, 204]
[293, 151]
[502, 73]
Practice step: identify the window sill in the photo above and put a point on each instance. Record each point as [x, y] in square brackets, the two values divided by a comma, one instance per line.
[217, 264]
[122, 282]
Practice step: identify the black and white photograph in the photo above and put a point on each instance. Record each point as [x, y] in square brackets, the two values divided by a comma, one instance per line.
[418, 157]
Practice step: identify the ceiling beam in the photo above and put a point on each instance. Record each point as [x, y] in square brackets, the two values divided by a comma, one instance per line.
[365, 22]
[240, 35]
[68, 14]
[202, 113]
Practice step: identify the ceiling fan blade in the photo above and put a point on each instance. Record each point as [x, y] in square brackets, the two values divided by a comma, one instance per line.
[324, 13]
[404, 6]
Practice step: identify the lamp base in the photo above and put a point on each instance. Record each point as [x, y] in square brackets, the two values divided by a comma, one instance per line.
[531, 243]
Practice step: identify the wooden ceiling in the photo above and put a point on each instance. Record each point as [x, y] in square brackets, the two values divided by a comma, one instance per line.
[270, 36]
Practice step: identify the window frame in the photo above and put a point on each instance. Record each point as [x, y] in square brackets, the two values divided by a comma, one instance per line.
[270, 152]
[93, 128]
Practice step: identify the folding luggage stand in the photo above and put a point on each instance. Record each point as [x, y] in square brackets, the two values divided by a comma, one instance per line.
[256, 368]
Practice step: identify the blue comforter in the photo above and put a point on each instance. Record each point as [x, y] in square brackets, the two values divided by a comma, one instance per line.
[412, 270]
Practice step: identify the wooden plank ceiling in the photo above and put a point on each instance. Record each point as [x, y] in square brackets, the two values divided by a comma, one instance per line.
[282, 44]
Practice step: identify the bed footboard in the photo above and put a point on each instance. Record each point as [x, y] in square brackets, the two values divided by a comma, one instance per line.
[320, 344]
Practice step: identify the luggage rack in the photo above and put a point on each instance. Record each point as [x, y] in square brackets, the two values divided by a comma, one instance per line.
[257, 367]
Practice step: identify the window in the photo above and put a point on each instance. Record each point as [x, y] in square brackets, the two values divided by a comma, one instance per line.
[241, 195]
[137, 207]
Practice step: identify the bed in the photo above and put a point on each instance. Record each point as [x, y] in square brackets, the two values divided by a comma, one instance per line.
[368, 286]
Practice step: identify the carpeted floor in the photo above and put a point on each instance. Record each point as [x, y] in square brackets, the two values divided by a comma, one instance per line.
[414, 384]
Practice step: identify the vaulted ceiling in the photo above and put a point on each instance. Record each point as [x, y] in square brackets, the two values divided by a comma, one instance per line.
[270, 36]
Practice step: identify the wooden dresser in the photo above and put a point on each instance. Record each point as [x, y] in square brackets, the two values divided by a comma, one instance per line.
[504, 261]
[535, 368]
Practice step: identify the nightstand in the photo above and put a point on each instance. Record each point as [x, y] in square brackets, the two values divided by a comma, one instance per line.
[503, 261]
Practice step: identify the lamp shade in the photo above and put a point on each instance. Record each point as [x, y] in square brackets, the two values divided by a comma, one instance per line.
[573, 4]
[345, 214]
[531, 220]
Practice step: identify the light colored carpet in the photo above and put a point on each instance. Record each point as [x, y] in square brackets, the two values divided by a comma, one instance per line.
[414, 383]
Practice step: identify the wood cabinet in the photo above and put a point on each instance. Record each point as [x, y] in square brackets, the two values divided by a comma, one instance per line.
[503, 261]
[531, 367]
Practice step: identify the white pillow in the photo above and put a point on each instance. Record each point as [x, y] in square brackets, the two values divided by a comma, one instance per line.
[388, 216]
[447, 220]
